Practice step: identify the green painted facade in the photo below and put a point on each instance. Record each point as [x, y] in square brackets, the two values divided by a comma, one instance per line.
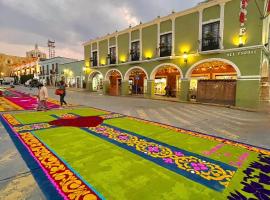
[211, 13]
[103, 52]
[94, 46]
[123, 47]
[247, 60]
[135, 35]
[149, 41]
[166, 26]
[112, 41]
[186, 39]
[73, 73]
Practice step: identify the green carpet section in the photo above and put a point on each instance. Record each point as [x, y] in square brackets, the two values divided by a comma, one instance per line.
[119, 174]
[184, 141]
[37, 117]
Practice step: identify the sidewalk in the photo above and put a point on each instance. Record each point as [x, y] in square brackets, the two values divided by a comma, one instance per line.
[265, 108]
[70, 89]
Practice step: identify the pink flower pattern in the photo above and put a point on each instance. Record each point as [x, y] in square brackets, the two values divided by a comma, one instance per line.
[153, 149]
[199, 166]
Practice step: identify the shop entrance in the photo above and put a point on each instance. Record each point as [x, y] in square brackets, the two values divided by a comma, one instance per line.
[213, 82]
[137, 82]
[97, 82]
[167, 81]
[115, 83]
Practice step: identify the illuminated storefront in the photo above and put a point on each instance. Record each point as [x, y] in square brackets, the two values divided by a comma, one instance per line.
[216, 58]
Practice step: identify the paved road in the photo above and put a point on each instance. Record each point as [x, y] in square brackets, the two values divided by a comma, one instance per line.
[248, 127]
[16, 181]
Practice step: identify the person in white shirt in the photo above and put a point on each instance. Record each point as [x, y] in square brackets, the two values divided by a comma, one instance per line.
[42, 97]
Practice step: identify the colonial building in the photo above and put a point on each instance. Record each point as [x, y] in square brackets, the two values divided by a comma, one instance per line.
[216, 52]
[9, 65]
[49, 69]
[27, 67]
[73, 73]
[36, 53]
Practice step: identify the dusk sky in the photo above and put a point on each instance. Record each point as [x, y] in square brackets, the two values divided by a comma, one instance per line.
[72, 22]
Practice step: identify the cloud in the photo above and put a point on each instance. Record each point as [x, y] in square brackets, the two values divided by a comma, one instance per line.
[72, 22]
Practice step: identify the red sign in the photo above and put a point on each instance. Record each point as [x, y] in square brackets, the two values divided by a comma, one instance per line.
[268, 6]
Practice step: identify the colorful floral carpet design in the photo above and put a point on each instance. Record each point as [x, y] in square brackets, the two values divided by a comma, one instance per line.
[15, 100]
[123, 157]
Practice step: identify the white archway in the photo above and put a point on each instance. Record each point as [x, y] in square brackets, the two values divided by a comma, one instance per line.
[265, 68]
[92, 74]
[127, 74]
[108, 74]
[189, 72]
[154, 71]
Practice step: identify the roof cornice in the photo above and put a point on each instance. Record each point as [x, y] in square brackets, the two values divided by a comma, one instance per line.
[194, 9]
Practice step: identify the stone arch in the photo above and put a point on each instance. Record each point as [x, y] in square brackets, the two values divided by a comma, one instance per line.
[92, 74]
[154, 71]
[108, 74]
[126, 77]
[189, 72]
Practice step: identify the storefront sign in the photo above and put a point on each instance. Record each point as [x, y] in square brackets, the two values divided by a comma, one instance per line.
[241, 53]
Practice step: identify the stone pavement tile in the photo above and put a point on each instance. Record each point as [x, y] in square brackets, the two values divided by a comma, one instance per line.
[23, 187]
[20, 176]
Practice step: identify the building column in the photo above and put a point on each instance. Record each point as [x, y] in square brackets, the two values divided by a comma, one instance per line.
[200, 29]
[184, 92]
[173, 36]
[124, 88]
[89, 86]
[150, 88]
[222, 10]
[106, 87]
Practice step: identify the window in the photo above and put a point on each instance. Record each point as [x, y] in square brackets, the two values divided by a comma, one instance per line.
[112, 55]
[94, 58]
[53, 68]
[43, 70]
[165, 45]
[135, 51]
[210, 36]
[47, 69]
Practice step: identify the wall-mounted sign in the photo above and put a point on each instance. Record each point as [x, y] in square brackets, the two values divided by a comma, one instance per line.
[241, 53]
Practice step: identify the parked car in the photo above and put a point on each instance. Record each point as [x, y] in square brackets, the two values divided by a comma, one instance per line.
[34, 83]
[8, 80]
[27, 83]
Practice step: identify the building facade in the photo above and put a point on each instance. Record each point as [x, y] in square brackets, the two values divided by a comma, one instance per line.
[216, 52]
[49, 69]
[36, 53]
[16, 66]
[30, 66]
[73, 73]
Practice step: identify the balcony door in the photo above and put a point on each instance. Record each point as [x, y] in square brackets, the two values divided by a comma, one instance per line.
[210, 36]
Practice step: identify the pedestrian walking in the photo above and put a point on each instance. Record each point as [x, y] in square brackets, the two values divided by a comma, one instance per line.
[42, 97]
[167, 90]
[62, 93]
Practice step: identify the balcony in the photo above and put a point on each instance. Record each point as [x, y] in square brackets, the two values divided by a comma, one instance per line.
[135, 56]
[165, 51]
[95, 63]
[112, 60]
[210, 44]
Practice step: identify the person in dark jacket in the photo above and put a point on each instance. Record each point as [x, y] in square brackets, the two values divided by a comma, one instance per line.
[62, 87]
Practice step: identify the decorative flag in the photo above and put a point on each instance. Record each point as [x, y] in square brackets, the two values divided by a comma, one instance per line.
[243, 12]
[268, 6]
